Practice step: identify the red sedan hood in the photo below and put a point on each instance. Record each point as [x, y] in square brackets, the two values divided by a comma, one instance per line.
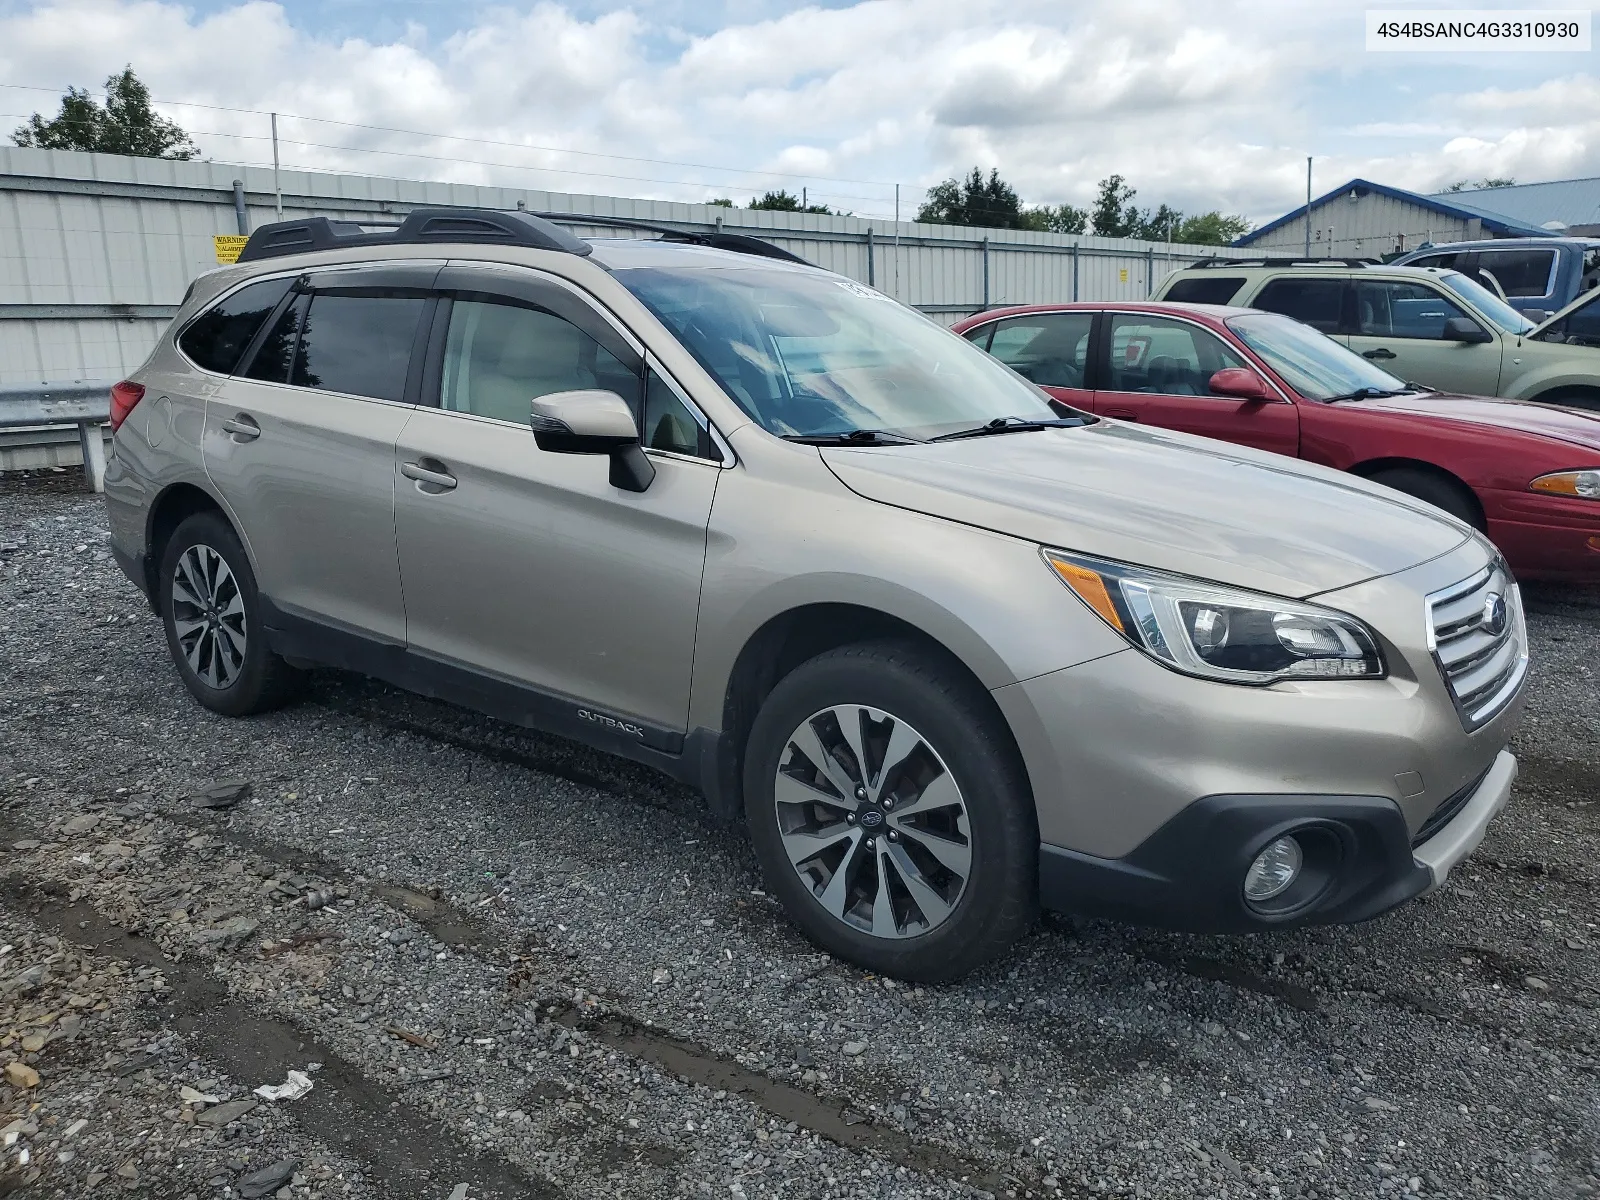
[1564, 424]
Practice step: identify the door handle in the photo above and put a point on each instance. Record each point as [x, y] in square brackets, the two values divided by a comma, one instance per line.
[1380, 352]
[433, 478]
[1122, 414]
[242, 428]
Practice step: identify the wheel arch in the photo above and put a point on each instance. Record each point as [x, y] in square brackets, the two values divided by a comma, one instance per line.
[1373, 467]
[175, 504]
[792, 637]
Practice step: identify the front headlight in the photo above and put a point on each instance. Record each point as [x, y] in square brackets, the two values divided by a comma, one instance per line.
[1219, 632]
[1583, 484]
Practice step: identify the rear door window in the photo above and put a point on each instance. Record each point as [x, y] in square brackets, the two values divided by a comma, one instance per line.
[1520, 273]
[358, 343]
[215, 339]
[1051, 349]
[1205, 289]
[1317, 302]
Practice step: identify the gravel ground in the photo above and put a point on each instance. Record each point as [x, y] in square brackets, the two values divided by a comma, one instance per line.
[512, 967]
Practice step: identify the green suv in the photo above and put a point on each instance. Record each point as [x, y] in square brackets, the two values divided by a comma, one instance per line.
[1425, 324]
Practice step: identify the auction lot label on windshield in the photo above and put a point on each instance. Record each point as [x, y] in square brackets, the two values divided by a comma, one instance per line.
[1482, 29]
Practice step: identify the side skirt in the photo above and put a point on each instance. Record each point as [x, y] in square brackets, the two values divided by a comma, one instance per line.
[313, 641]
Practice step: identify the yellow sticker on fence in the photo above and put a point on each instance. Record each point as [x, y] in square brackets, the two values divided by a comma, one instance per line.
[1122, 274]
[229, 244]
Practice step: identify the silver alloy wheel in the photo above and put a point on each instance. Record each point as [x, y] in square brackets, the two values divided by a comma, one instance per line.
[208, 616]
[873, 821]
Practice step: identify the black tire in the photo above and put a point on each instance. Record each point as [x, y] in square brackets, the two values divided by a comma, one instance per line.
[1438, 490]
[1585, 398]
[256, 680]
[958, 722]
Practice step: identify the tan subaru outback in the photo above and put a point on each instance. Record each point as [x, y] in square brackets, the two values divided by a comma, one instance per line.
[952, 650]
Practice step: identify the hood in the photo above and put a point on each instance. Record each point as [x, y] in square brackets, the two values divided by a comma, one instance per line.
[1161, 499]
[1587, 298]
[1523, 416]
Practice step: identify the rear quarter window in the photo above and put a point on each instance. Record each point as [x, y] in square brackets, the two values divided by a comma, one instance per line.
[217, 337]
[1206, 289]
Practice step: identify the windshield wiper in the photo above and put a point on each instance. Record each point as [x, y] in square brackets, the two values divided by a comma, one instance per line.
[1371, 393]
[851, 437]
[1011, 425]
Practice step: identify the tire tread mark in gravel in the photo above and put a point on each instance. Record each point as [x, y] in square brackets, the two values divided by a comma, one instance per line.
[403, 1151]
[826, 1118]
[444, 922]
[1217, 971]
[816, 1114]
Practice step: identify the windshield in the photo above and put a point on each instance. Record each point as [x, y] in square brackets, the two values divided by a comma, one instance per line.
[809, 354]
[1486, 302]
[1312, 363]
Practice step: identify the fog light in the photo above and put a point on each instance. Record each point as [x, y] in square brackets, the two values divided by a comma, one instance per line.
[1274, 869]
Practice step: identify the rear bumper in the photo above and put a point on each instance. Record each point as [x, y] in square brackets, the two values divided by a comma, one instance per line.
[136, 568]
[1359, 860]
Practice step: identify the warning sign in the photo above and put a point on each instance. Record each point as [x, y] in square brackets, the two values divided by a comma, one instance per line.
[1122, 274]
[228, 246]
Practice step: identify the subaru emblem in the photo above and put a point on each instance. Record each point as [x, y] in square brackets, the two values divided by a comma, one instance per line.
[1494, 614]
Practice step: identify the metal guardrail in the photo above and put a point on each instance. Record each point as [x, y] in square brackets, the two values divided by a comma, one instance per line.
[86, 405]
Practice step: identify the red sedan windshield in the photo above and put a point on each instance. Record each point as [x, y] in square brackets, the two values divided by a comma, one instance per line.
[1312, 363]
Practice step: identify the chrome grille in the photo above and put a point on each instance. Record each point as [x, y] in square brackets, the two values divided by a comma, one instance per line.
[1477, 636]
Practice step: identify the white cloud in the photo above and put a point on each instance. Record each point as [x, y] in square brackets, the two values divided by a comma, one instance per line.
[1198, 106]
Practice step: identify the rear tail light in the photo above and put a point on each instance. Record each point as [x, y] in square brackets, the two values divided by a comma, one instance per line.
[124, 396]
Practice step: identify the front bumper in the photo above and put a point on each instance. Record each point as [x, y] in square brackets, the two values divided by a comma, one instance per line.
[1546, 537]
[1360, 860]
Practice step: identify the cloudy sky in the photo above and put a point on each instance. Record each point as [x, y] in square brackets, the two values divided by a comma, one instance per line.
[1200, 106]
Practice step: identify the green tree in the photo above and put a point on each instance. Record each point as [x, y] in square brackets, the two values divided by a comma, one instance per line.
[1211, 229]
[1493, 181]
[125, 125]
[723, 203]
[786, 201]
[1057, 218]
[1113, 213]
[990, 202]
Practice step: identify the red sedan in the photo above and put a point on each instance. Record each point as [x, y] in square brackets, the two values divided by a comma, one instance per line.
[1526, 474]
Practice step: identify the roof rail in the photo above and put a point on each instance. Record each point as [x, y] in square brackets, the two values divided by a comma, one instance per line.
[1284, 262]
[739, 243]
[422, 226]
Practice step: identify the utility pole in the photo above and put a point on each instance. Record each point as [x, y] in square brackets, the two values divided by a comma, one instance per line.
[1308, 206]
[804, 203]
[277, 188]
[897, 241]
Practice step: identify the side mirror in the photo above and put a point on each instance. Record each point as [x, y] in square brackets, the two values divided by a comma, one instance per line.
[1465, 329]
[593, 422]
[1241, 383]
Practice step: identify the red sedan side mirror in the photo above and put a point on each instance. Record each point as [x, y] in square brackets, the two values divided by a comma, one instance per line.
[1241, 383]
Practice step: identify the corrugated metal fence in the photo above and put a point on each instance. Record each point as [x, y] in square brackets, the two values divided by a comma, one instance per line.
[96, 250]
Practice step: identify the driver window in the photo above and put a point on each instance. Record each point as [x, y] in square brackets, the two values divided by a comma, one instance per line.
[1050, 349]
[1402, 310]
[1165, 357]
[499, 356]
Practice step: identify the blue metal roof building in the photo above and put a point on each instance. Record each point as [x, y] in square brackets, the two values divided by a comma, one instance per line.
[1569, 206]
[1362, 218]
